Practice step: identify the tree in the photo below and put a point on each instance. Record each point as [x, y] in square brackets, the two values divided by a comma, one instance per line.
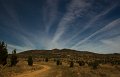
[3, 53]
[30, 61]
[14, 60]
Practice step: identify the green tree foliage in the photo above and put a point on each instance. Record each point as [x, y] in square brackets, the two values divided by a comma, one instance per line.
[3, 53]
[14, 60]
[30, 61]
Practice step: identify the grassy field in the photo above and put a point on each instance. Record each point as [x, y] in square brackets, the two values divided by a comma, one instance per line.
[103, 70]
[21, 67]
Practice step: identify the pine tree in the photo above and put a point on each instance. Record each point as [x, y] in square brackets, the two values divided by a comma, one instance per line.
[30, 61]
[3, 53]
[14, 60]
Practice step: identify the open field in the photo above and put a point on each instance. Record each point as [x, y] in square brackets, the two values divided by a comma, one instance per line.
[50, 69]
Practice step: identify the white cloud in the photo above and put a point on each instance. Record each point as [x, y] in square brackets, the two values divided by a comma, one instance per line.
[11, 47]
[75, 9]
[93, 20]
[105, 46]
[50, 12]
[107, 27]
[113, 44]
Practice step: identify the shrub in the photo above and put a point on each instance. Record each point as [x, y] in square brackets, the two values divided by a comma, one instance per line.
[30, 61]
[115, 62]
[81, 63]
[46, 59]
[14, 60]
[94, 64]
[58, 62]
[71, 64]
[3, 53]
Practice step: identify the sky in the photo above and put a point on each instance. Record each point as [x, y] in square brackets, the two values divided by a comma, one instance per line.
[84, 25]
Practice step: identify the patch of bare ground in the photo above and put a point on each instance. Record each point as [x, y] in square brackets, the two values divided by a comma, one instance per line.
[37, 73]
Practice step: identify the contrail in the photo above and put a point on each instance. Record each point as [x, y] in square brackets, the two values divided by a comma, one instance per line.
[89, 24]
[107, 27]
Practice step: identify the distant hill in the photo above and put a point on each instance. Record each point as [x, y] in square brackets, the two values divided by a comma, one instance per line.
[56, 51]
[67, 53]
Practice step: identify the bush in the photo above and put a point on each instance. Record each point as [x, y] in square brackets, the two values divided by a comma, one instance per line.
[46, 59]
[71, 64]
[14, 60]
[30, 61]
[58, 62]
[3, 53]
[94, 64]
[115, 62]
[81, 63]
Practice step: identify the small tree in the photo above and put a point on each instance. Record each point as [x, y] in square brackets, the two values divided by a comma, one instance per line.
[71, 63]
[14, 60]
[30, 61]
[3, 53]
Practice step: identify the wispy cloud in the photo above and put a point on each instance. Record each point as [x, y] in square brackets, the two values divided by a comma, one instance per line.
[107, 27]
[74, 10]
[50, 12]
[11, 47]
[112, 43]
[76, 24]
[92, 21]
[15, 28]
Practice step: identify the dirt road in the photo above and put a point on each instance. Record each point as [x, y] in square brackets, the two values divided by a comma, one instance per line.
[39, 73]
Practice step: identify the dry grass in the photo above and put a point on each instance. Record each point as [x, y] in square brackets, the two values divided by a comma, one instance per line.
[83, 71]
[63, 70]
[21, 67]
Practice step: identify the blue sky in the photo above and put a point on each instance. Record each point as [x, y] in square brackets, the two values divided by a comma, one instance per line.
[89, 25]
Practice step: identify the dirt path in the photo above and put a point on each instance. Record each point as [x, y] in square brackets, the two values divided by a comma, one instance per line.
[38, 73]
